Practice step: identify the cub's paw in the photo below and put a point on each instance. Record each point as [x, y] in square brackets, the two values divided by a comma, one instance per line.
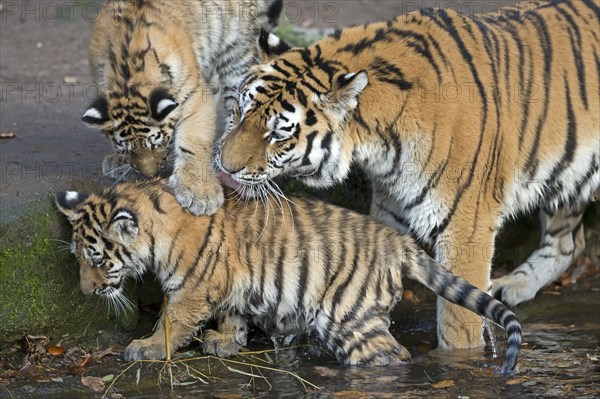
[199, 196]
[144, 349]
[116, 167]
[221, 345]
[512, 289]
[400, 355]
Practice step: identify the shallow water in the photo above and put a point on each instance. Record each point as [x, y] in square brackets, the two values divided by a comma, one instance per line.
[559, 359]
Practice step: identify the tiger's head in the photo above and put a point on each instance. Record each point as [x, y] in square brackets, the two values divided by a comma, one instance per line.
[139, 124]
[291, 118]
[108, 240]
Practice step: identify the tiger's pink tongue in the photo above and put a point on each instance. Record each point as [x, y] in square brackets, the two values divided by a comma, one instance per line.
[228, 181]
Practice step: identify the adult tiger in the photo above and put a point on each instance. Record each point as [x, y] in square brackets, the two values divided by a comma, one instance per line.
[319, 270]
[159, 65]
[460, 123]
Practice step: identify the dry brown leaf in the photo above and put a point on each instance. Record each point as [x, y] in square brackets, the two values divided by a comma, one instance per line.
[95, 384]
[55, 350]
[443, 384]
[325, 371]
[71, 80]
[517, 381]
[350, 395]
[84, 361]
[8, 135]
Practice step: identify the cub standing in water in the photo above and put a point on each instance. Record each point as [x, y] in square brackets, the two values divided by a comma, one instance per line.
[449, 172]
[158, 65]
[318, 270]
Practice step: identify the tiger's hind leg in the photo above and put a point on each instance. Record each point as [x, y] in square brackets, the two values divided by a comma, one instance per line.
[365, 341]
[562, 242]
[230, 337]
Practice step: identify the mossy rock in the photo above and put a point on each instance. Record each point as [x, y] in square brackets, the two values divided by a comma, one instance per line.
[39, 279]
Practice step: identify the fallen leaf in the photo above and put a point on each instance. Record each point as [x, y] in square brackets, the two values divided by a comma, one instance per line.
[517, 381]
[350, 395]
[85, 360]
[55, 350]
[443, 384]
[325, 371]
[106, 352]
[56, 379]
[95, 384]
[8, 135]
[70, 80]
[108, 378]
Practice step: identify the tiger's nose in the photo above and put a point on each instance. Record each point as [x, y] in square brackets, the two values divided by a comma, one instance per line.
[147, 162]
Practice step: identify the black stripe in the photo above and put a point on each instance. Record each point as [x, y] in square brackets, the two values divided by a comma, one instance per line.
[309, 146]
[546, 47]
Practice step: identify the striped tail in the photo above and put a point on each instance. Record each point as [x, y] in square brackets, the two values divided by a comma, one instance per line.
[456, 290]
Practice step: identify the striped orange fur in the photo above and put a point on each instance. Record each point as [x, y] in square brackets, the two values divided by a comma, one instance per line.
[460, 122]
[316, 269]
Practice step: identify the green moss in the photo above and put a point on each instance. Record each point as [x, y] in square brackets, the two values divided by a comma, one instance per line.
[39, 279]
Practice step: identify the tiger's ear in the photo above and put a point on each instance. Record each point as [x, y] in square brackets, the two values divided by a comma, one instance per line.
[271, 46]
[97, 113]
[161, 103]
[67, 203]
[346, 90]
[124, 225]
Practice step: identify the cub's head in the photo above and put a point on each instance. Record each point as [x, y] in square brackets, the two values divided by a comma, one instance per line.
[138, 121]
[107, 240]
[291, 118]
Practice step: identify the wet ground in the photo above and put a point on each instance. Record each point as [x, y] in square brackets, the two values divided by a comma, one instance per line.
[559, 360]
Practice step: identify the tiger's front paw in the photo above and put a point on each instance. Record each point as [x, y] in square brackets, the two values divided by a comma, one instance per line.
[144, 349]
[221, 345]
[200, 196]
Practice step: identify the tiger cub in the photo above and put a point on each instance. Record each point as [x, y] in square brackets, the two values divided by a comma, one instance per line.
[158, 66]
[318, 269]
[460, 122]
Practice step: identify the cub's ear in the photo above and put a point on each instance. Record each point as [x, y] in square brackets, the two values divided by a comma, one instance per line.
[161, 103]
[271, 46]
[97, 113]
[346, 90]
[67, 203]
[124, 225]
[274, 12]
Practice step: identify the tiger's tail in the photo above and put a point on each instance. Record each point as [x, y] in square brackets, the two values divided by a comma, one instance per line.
[458, 291]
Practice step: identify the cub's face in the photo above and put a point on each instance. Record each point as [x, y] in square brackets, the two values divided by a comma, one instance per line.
[106, 242]
[290, 120]
[139, 124]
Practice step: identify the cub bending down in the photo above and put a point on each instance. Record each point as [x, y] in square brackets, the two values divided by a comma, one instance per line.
[460, 122]
[159, 65]
[319, 270]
